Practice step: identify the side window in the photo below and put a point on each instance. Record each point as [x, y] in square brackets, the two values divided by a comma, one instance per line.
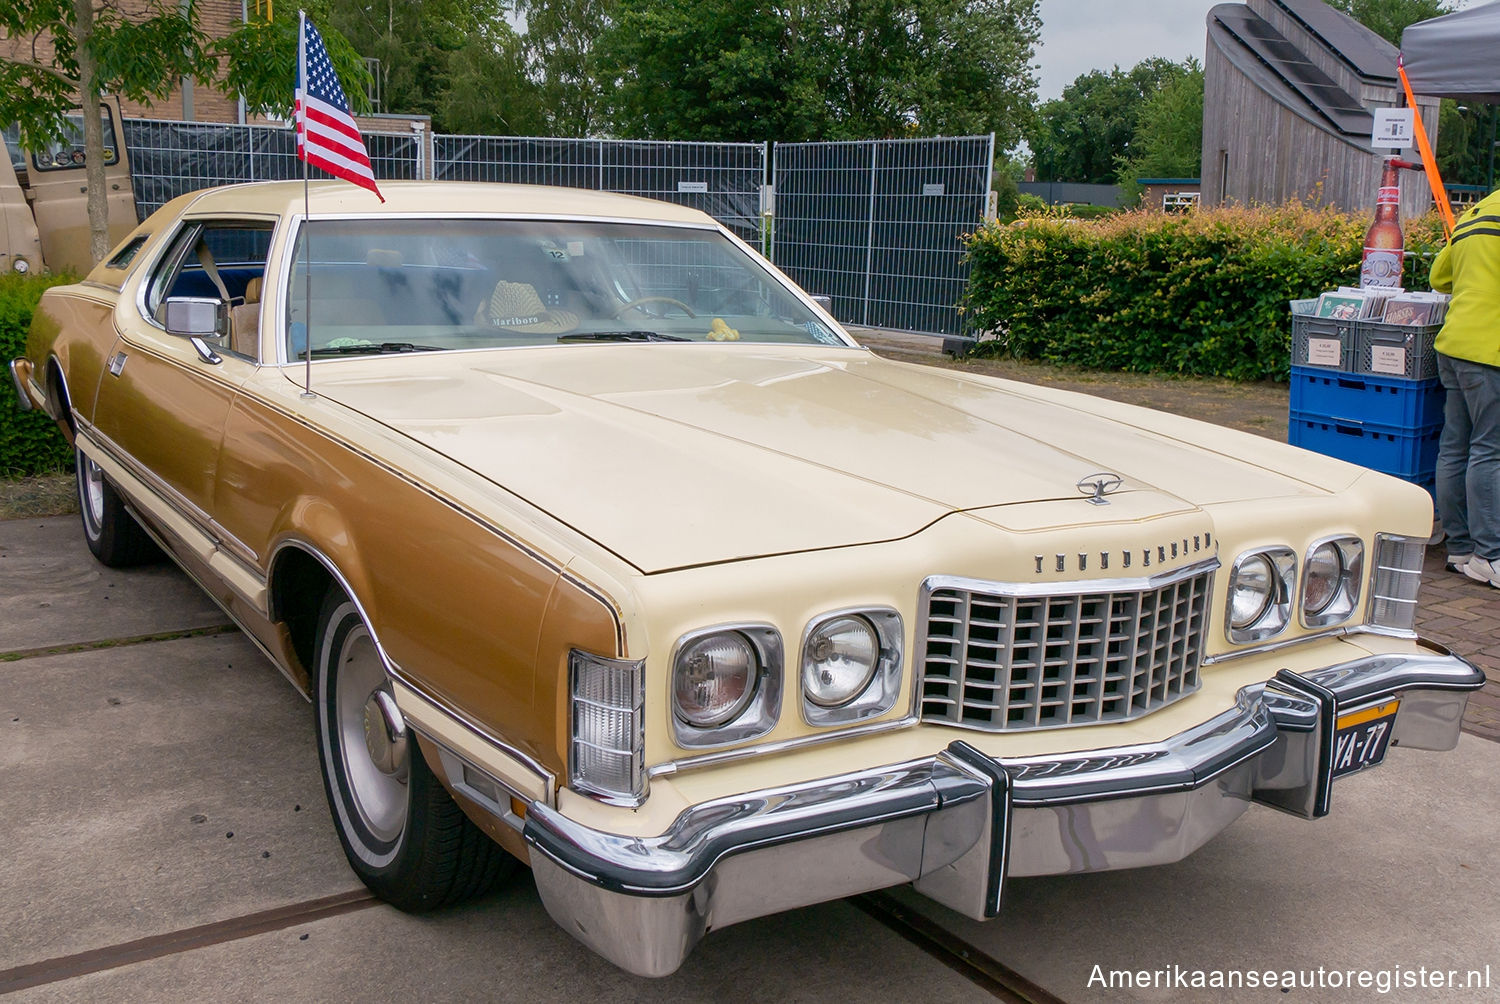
[126, 254]
[69, 151]
[222, 260]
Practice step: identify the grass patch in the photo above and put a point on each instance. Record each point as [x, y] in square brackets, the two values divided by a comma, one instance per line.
[37, 497]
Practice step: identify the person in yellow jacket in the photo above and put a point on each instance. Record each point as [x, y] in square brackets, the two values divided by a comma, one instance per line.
[1468, 358]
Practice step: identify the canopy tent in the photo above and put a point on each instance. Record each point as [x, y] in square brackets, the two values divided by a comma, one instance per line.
[1454, 56]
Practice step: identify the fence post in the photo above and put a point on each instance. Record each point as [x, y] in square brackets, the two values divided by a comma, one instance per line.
[870, 233]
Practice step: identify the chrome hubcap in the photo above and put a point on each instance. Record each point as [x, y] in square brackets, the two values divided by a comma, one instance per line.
[372, 737]
[91, 478]
[385, 735]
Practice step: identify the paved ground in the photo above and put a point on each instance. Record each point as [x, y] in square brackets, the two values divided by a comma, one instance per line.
[166, 838]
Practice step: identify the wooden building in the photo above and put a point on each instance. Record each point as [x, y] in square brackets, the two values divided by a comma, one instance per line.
[1290, 89]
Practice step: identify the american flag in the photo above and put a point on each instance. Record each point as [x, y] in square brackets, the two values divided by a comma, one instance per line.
[326, 134]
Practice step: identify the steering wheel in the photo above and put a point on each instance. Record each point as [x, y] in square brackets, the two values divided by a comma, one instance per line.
[636, 305]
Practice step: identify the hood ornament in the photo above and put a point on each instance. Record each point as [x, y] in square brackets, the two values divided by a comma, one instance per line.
[1099, 485]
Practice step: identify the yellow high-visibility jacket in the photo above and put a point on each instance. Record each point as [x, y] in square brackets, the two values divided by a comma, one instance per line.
[1469, 268]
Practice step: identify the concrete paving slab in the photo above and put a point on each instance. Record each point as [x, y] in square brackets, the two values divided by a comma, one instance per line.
[506, 948]
[54, 592]
[125, 769]
[1404, 872]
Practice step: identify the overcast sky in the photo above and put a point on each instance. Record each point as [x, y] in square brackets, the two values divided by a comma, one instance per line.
[1083, 35]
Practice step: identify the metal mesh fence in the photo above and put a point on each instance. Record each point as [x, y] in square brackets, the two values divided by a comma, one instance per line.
[721, 179]
[873, 224]
[170, 158]
[876, 225]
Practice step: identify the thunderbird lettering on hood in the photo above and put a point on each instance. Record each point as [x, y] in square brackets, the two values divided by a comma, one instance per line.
[680, 455]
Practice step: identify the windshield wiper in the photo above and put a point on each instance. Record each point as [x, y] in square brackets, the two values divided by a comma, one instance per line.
[375, 349]
[621, 336]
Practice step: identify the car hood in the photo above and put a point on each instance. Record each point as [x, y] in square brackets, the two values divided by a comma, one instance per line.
[678, 455]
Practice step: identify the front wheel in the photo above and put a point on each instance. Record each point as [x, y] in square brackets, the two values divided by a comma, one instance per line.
[403, 834]
[113, 535]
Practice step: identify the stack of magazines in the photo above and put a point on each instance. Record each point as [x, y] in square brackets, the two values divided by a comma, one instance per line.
[1387, 304]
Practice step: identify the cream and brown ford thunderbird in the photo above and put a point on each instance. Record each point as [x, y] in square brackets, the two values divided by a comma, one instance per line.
[598, 544]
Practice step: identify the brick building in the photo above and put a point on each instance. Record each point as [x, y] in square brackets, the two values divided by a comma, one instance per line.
[188, 101]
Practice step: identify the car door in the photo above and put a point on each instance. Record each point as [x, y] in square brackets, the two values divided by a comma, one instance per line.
[58, 189]
[164, 399]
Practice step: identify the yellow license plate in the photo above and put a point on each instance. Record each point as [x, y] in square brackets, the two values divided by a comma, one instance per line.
[1362, 736]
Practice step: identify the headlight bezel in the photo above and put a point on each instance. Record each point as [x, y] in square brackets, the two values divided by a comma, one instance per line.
[759, 714]
[1344, 602]
[1276, 614]
[884, 685]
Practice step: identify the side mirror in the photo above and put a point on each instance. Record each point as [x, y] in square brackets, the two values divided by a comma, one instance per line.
[196, 316]
[826, 302]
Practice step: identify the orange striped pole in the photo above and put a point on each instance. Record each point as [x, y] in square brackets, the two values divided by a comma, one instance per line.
[1429, 162]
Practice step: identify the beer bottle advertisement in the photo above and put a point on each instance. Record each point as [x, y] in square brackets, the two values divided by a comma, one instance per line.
[1384, 243]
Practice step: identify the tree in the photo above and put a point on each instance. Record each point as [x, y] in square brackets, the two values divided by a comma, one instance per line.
[1168, 141]
[1389, 18]
[1082, 136]
[844, 69]
[113, 46]
[560, 57]
[455, 60]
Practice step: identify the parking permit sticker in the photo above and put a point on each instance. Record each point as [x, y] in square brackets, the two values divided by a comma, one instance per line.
[822, 334]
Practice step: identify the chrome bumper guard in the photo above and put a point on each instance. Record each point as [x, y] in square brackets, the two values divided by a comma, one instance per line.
[957, 824]
[23, 399]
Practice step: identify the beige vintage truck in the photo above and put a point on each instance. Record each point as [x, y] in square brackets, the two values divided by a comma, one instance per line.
[44, 221]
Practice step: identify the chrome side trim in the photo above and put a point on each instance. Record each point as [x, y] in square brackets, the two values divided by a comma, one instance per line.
[1347, 631]
[546, 776]
[151, 532]
[23, 398]
[231, 545]
[667, 767]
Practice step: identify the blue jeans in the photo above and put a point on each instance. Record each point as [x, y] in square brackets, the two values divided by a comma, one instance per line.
[1468, 465]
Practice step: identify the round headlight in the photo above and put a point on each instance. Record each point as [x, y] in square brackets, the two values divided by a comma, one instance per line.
[1251, 592]
[715, 679]
[21, 265]
[839, 659]
[1325, 573]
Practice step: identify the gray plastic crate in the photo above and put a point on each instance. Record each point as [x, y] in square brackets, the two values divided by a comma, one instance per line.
[1396, 350]
[1311, 338]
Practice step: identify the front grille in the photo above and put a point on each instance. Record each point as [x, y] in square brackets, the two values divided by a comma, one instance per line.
[1000, 657]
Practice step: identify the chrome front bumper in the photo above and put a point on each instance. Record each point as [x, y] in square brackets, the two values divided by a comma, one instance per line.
[957, 824]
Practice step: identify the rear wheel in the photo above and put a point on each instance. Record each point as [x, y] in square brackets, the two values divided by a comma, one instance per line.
[113, 535]
[402, 832]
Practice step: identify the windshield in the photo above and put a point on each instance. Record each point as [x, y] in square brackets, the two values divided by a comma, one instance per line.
[414, 285]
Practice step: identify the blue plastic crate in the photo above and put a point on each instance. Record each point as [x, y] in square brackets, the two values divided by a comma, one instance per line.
[1406, 453]
[1385, 400]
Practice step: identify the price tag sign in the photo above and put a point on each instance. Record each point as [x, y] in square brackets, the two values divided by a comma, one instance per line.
[1394, 128]
[1324, 352]
[1390, 359]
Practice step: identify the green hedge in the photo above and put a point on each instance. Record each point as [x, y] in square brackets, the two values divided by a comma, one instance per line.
[1202, 293]
[30, 442]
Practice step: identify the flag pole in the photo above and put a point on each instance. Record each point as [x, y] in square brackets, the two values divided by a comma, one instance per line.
[306, 202]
